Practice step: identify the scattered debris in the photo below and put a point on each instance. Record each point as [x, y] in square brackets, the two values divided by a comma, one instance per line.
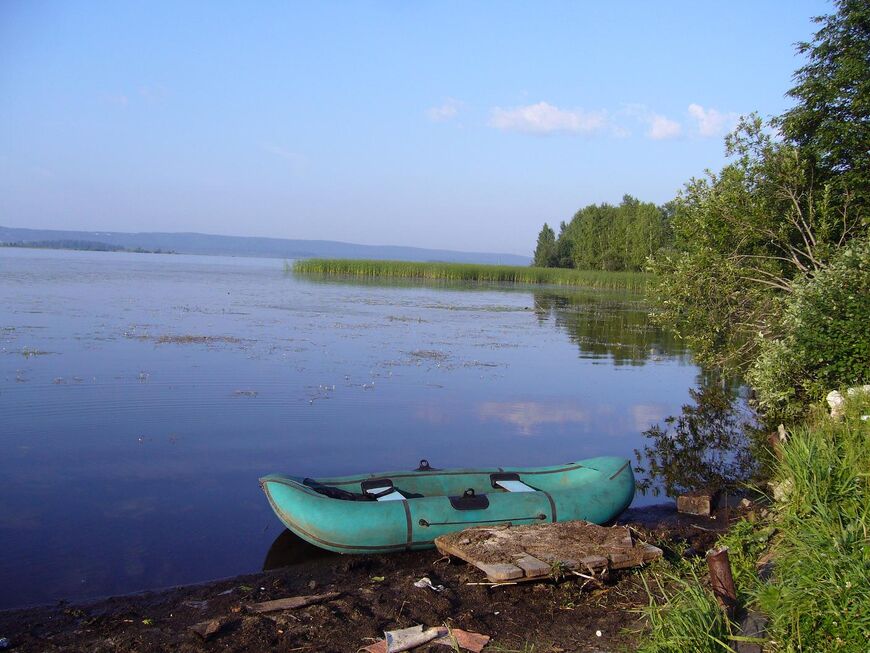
[292, 602]
[696, 503]
[781, 489]
[406, 639]
[464, 639]
[837, 402]
[521, 553]
[753, 633]
[207, 629]
[721, 580]
[427, 582]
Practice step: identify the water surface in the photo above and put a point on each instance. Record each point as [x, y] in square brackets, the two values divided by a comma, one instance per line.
[141, 396]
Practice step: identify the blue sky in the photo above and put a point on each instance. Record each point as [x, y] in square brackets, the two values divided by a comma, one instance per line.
[460, 125]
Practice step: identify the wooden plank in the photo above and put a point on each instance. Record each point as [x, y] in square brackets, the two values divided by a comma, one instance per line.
[595, 563]
[499, 572]
[650, 552]
[453, 547]
[519, 553]
[291, 602]
[532, 566]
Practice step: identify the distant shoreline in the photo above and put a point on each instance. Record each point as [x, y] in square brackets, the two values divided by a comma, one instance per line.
[81, 246]
[253, 246]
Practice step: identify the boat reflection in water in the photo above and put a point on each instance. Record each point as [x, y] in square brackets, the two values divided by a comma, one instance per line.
[288, 550]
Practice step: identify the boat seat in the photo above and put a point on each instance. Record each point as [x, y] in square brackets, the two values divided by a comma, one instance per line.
[382, 489]
[515, 486]
[510, 482]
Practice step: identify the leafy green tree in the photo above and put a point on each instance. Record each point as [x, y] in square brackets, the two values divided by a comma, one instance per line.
[743, 239]
[825, 342]
[545, 252]
[831, 119]
[607, 237]
[564, 247]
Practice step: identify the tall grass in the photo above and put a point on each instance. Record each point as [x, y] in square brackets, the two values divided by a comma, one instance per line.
[683, 615]
[634, 281]
[820, 597]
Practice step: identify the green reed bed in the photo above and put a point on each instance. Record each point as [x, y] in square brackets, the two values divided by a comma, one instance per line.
[470, 272]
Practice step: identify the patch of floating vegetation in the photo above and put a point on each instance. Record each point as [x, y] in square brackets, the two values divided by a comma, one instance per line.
[402, 318]
[428, 354]
[29, 352]
[196, 340]
[478, 308]
[634, 281]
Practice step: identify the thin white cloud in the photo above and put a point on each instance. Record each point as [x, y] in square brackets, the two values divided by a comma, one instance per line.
[619, 131]
[659, 127]
[662, 128]
[711, 122]
[447, 111]
[544, 118]
[295, 158]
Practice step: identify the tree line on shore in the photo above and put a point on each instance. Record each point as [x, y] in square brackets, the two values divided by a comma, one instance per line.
[82, 245]
[606, 237]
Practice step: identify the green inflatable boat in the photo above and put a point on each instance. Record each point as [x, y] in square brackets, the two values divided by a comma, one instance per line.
[395, 511]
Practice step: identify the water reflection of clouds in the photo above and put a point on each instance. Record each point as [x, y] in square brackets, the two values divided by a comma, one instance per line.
[432, 414]
[646, 415]
[527, 416]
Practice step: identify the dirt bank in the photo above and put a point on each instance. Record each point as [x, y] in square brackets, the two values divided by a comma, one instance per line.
[376, 593]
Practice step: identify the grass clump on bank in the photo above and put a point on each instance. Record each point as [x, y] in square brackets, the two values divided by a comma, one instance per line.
[820, 598]
[683, 615]
[818, 538]
[635, 281]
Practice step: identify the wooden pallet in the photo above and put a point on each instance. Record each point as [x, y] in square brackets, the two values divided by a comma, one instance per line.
[516, 553]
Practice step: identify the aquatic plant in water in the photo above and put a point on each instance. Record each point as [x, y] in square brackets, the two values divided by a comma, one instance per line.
[470, 272]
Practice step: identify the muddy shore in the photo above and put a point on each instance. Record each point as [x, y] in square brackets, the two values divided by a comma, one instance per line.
[376, 593]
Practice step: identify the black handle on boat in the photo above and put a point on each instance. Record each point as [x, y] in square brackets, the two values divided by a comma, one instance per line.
[470, 501]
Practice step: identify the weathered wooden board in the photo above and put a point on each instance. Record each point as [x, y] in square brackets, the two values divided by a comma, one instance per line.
[291, 602]
[533, 567]
[513, 553]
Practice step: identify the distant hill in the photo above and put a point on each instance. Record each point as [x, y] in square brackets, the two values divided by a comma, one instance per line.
[193, 243]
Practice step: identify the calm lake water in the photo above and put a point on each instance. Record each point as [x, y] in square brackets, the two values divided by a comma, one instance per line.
[141, 397]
